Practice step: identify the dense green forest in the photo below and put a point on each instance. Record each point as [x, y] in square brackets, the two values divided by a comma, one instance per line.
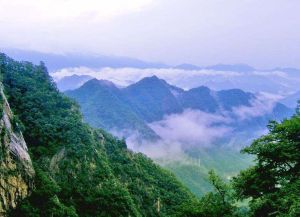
[80, 171]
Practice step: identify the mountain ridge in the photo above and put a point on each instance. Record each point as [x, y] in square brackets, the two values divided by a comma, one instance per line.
[58, 61]
[151, 99]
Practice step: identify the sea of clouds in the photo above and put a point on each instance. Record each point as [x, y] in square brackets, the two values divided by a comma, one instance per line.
[275, 82]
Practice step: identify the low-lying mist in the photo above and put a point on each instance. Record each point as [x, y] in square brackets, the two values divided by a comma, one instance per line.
[195, 129]
[268, 81]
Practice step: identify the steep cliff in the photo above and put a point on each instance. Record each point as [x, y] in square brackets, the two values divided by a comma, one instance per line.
[16, 171]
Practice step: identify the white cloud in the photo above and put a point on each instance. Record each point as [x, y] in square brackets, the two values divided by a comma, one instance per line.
[191, 128]
[179, 132]
[126, 76]
[197, 129]
[263, 104]
[273, 82]
[200, 130]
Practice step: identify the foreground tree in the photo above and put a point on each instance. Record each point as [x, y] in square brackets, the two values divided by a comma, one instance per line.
[273, 184]
[270, 188]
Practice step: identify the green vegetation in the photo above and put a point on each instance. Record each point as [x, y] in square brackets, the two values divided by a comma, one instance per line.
[104, 106]
[85, 172]
[193, 170]
[128, 111]
[273, 183]
[80, 171]
[152, 98]
[270, 188]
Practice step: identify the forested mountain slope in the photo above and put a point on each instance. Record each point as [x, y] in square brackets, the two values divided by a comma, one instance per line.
[152, 98]
[129, 110]
[80, 171]
[104, 106]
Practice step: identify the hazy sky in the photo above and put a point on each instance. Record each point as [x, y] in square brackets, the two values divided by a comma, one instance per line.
[262, 33]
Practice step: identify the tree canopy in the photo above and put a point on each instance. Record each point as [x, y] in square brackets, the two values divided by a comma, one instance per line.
[273, 183]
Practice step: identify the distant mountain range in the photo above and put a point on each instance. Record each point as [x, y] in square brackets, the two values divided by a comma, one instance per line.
[218, 67]
[58, 61]
[131, 109]
[55, 62]
[72, 82]
[277, 83]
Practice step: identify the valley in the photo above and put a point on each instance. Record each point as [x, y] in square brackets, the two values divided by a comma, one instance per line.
[176, 127]
[149, 108]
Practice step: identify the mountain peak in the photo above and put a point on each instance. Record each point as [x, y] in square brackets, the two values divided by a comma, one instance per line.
[149, 81]
[152, 78]
[201, 88]
[153, 98]
[100, 82]
[234, 98]
[106, 83]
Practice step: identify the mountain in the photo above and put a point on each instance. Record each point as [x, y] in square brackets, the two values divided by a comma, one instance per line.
[250, 126]
[200, 98]
[204, 99]
[79, 171]
[127, 110]
[135, 107]
[105, 106]
[72, 82]
[55, 62]
[152, 98]
[228, 99]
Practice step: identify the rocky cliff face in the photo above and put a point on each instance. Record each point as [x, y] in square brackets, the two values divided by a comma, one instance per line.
[16, 171]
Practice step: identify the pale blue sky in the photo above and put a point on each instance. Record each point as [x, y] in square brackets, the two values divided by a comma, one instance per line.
[262, 33]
